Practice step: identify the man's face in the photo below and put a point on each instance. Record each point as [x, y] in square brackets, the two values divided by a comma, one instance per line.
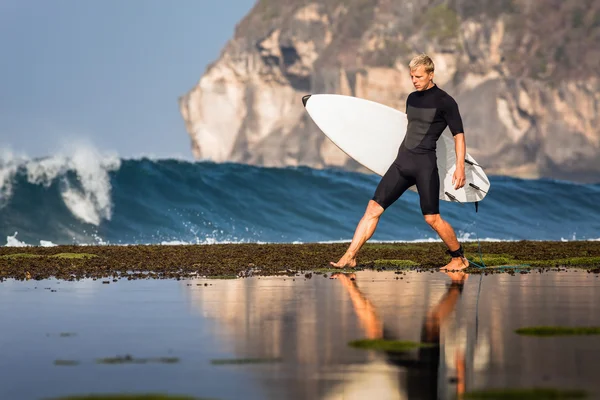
[421, 79]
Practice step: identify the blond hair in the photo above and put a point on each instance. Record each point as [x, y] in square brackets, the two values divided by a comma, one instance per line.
[424, 60]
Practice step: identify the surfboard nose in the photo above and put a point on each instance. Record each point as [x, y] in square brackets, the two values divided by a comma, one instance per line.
[305, 99]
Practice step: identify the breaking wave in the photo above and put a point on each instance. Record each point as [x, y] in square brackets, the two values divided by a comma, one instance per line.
[85, 197]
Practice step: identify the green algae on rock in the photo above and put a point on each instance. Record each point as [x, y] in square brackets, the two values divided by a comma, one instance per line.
[128, 359]
[393, 346]
[20, 255]
[545, 331]
[578, 261]
[493, 259]
[73, 255]
[526, 394]
[239, 361]
[395, 263]
[59, 255]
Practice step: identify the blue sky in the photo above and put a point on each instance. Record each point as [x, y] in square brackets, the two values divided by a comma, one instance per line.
[105, 72]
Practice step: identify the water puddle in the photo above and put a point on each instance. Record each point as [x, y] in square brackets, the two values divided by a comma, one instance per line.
[380, 335]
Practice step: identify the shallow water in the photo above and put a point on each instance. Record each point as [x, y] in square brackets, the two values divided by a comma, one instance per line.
[300, 328]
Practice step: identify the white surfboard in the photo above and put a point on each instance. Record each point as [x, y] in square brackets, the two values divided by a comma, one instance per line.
[371, 133]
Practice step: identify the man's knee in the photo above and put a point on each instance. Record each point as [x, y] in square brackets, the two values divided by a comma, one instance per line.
[433, 219]
[374, 210]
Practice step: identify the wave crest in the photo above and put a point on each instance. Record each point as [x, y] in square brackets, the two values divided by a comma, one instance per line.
[82, 175]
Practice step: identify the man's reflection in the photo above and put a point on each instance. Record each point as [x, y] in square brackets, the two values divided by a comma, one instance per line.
[423, 372]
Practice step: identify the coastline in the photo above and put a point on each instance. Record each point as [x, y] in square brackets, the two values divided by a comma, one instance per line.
[67, 262]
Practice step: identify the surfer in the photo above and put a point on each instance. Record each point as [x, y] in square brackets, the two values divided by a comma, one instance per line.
[429, 110]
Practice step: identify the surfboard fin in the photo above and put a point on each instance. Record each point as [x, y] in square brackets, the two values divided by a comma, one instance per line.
[476, 206]
[305, 99]
[471, 162]
[474, 186]
[452, 198]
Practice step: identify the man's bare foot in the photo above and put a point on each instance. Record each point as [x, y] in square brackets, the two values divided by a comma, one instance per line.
[456, 264]
[346, 261]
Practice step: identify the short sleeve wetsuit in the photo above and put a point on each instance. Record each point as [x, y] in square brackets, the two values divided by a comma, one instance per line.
[429, 112]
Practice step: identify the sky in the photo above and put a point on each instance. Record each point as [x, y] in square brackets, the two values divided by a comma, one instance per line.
[106, 73]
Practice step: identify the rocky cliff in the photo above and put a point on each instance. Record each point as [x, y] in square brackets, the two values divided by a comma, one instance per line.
[524, 73]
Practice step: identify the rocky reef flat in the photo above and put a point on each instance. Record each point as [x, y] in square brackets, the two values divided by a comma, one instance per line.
[242, 260]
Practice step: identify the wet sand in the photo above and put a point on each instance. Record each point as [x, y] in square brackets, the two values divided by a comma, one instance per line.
[288, 337]
[232, 260]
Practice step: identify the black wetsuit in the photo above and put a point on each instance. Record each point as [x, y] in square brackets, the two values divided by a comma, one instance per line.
[429, 112]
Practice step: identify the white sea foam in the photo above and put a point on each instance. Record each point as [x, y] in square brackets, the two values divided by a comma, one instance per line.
[424, 240]
[88, 199]
[174, 243]
[9, 165]
[12, 241]
[574, 239]
[208, 241]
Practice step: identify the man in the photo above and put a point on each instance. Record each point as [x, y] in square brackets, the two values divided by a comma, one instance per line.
[429, 110]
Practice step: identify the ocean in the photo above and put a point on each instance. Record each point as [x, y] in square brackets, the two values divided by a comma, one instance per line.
[87, 199]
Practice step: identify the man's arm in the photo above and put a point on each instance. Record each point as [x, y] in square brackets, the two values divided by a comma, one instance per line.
[454, 121]
[459, 179]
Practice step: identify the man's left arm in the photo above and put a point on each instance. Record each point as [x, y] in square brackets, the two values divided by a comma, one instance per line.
[454, 121]
[459, 178]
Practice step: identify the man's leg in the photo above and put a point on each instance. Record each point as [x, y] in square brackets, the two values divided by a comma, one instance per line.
[428, 185]
[446, 233]
[364, 231]
[390, 188]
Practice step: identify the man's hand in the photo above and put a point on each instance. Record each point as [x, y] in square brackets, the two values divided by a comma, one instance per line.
[459, 179]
